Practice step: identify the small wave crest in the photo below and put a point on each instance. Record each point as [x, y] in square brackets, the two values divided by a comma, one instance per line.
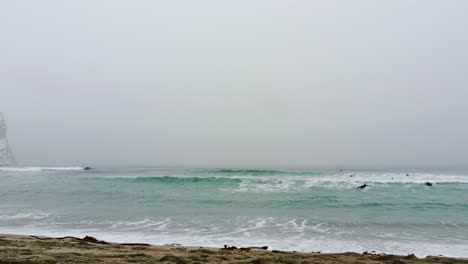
[176, 180]
[254, 172]
[29, 215]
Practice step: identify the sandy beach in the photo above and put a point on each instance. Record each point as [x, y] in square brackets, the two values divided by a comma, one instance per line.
[31, 249]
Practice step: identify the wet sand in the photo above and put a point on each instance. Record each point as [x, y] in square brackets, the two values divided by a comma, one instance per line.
[31, 250]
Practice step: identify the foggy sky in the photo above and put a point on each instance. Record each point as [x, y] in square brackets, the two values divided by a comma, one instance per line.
[236, 83]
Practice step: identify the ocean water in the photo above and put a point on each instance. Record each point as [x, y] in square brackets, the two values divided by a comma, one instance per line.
[302, 210]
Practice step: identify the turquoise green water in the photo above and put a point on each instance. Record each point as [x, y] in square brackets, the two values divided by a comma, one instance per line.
[294, 210]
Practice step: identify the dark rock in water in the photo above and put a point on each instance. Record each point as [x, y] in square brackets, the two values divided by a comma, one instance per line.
[428, 184]
[87, 168]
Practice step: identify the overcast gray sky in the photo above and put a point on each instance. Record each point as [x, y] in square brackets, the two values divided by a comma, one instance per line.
[236, 83]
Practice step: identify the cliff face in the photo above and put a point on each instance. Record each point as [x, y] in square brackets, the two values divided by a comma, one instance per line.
[6, 156]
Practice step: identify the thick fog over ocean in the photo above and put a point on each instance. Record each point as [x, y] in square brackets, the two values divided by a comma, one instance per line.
[241, 83]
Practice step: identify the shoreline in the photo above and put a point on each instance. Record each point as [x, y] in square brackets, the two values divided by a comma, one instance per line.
[40, 249]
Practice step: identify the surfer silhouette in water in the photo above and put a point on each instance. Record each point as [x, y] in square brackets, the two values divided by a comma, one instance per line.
[362, 186]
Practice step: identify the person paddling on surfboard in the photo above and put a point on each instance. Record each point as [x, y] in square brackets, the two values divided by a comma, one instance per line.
[362, 186]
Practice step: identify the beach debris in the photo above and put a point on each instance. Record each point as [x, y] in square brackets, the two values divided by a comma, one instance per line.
[90, 239]
[173, 245]
[373, 252]
[134, 244]
[93, 240]
[229, 248]
[428, 184]
[279, 251]
[260, 248]
[244, 249]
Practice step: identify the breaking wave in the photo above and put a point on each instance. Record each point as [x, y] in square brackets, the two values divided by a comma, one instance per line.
[293, 210]
[266, 181]
[285, 233]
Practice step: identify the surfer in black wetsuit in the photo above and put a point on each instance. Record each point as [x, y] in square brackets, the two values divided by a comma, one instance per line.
[428, 184]
[362, 186]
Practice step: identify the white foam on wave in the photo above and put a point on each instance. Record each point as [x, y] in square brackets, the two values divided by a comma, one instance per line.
[143, 224]
[339, 181]
[26, 215]
[37, 169]
[287, 234]
[266, 185]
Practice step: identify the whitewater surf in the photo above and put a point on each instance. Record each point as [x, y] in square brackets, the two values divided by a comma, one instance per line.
[302, 210]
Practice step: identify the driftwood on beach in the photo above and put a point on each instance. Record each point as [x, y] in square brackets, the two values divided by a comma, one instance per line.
[244, 249]
[93, 240]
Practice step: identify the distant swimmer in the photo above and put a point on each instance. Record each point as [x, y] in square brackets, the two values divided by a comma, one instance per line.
[428, 184]
[87, 168]
[362, 186]
[407, 174]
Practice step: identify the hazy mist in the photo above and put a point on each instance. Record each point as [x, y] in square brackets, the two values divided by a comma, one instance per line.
[236, 83]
